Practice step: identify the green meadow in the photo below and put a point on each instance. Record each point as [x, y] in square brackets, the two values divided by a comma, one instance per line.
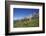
[26, 23]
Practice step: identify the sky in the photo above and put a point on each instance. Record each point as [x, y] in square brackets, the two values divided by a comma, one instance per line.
[19, 13]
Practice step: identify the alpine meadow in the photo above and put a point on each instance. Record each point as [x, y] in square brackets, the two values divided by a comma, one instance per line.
[25, 17]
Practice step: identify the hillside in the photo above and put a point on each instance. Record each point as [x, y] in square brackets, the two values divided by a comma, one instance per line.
[29, 21]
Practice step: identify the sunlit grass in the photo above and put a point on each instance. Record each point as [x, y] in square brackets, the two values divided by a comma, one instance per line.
[27, 23]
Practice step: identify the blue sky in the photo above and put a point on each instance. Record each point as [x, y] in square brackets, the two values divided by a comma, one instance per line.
[18, 13]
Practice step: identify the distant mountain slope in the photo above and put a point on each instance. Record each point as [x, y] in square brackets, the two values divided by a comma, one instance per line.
[28, 21]
[35, 16]
[29, 17]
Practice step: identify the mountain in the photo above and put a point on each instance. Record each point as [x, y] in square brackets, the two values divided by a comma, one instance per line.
[29, 17]
[35, 16]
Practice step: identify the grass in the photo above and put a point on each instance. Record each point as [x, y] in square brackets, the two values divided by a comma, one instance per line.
[26, 23]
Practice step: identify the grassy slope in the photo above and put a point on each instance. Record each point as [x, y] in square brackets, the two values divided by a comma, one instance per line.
[27, 23]
[34, 22]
